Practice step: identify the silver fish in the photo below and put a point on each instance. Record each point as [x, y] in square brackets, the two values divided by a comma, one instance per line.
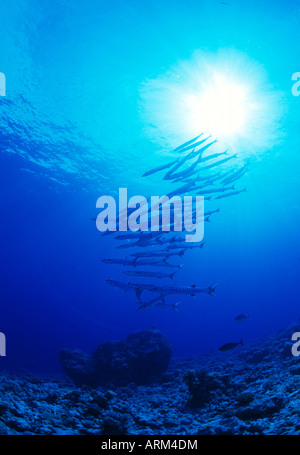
[217, 163]
[119, 285]
[156, 263]
[190, 169]
[233, 193]
[168, 175]
[212, 157]
[150, 274]
[158, 302]
[214, 190]
[186, 246]
[235, 176]
[130, 262]
[195, 144]
[187, 143]
[160, 168]
[188, 290]
[162, 253]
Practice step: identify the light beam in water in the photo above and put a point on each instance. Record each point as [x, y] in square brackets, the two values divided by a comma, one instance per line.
[225, 94]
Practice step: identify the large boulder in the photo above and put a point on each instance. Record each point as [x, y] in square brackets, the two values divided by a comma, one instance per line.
[140, 356]
[78, 366]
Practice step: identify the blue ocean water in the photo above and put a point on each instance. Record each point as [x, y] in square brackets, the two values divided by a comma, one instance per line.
[93, 100]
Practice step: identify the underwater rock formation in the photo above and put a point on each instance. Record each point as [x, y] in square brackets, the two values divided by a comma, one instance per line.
[213, 394]
[140, 356]
[201, 385]
[78, 366]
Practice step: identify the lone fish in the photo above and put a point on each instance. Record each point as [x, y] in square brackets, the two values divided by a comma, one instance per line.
[229, 346]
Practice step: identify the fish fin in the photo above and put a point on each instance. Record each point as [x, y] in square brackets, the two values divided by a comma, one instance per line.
[241, 342]
[135, 261]
[172, 276]
[175, 306]
[141, 308]
[138, 293]
[212, 289]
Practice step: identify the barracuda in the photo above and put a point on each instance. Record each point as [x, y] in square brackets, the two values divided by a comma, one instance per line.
[180, 147]
[190, 170]
[189, 290]
[169, 290]
[150, 274]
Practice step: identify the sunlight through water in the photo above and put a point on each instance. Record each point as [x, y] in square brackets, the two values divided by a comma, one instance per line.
[225, 94]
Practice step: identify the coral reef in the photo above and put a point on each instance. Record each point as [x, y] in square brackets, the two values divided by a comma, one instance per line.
[140, 356]
[251, 390]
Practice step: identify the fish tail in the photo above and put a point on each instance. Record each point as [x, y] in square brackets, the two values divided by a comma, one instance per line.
[172, 275]
[175, 306]
[211, 289]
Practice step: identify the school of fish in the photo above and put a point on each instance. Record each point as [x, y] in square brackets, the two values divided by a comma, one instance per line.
[200, 172]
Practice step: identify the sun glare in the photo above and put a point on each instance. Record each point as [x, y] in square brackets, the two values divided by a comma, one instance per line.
[221, 108]
[226, 94]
